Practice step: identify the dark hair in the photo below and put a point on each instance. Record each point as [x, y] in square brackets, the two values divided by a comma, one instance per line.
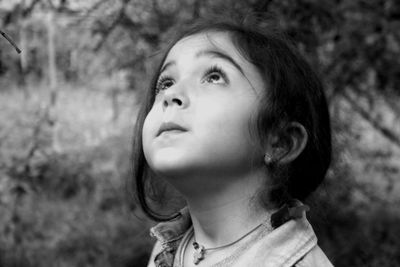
[294, 93]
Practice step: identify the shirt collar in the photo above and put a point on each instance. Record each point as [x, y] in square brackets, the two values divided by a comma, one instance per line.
[172, 230]
[292, 239]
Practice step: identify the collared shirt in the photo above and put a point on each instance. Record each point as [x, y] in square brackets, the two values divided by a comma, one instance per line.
[291, 243]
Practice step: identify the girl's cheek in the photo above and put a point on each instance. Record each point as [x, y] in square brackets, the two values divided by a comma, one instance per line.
[149, 122]
[146, 124]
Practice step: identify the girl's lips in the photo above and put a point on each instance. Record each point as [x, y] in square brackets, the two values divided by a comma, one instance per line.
[168, 132]
[170, 127]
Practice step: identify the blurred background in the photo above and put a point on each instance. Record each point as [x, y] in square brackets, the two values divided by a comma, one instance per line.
[68, 104]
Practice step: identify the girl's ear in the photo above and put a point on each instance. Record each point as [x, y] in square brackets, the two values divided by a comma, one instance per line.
[287, 146]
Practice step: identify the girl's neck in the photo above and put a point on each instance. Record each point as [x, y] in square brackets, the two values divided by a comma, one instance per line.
[223, 216]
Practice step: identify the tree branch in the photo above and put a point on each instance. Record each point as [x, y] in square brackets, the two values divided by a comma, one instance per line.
[8, 38]
[384, 131]
[108, 31]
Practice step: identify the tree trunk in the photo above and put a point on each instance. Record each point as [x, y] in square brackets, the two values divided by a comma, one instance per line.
[52, 116]
[23, 60]
[115, 104]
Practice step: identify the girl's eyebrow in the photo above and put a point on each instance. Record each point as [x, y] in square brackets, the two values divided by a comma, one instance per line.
[166, 65]
[208, 52]
[219, 54]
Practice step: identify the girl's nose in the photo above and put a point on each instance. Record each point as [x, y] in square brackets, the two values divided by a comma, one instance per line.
[175, 97]
[169, 101]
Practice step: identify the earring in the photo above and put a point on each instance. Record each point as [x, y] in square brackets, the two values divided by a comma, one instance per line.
[267, 158]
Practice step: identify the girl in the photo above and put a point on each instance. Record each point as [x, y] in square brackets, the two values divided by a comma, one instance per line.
[237, 122]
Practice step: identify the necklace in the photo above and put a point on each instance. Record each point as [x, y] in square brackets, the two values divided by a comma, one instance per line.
[200, 250]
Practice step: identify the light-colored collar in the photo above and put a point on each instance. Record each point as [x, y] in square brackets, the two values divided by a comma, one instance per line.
[167, 232]
[291, 239]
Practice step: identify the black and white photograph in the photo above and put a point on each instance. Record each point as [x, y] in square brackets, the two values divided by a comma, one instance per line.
[190, 133]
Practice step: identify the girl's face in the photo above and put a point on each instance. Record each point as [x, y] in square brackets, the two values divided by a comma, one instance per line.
[206, 97]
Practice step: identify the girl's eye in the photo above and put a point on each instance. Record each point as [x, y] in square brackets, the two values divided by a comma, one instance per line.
[163, 83]
[215, 75]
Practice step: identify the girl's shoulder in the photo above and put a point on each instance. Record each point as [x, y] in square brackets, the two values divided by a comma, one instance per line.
[292, 244]
[156, 250]
[314, 258]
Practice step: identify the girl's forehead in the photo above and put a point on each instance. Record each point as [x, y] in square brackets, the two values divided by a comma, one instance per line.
[205, 41]
[207, 38]
[211, 43]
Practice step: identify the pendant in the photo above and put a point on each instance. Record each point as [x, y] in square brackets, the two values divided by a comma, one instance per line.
[198, 254]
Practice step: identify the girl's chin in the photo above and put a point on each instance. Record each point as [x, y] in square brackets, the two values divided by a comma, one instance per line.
[169, 167]
[179, 169]
[168, 161]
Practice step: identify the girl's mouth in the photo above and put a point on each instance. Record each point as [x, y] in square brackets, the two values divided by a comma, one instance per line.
[170, 127]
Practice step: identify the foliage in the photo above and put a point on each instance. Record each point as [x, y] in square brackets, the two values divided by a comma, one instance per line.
[68, 207]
